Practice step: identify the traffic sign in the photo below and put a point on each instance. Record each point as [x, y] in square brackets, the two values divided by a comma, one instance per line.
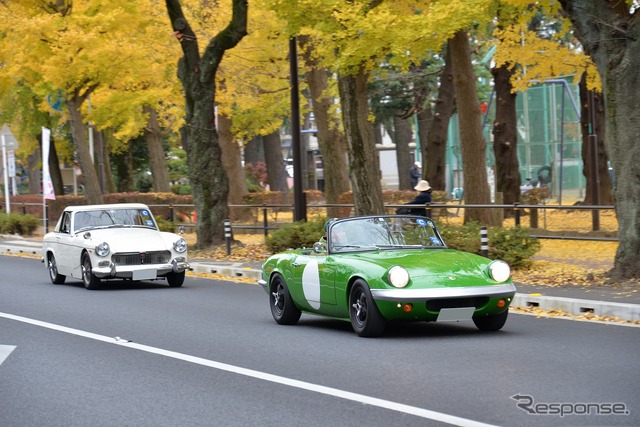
[9, 141]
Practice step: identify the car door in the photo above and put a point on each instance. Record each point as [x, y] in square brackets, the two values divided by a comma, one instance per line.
[313, 280]
[60, 244]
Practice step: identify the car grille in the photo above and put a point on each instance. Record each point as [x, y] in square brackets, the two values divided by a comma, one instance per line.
[141, 258]
[438, 304]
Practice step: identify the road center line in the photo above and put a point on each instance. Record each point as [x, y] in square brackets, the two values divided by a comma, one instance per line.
[334, 392]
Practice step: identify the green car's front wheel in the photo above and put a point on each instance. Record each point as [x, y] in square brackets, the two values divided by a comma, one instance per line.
[366, 319]
[491, 323]
[283, 309]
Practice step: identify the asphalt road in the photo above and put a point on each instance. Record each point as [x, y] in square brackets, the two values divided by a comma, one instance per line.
[209, 354]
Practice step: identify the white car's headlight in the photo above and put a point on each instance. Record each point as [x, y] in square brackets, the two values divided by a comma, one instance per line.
[398, 276]
[499, 271]
[180, 245]
[103, 249]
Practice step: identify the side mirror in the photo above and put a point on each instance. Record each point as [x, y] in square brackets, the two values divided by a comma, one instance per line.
[319, 247]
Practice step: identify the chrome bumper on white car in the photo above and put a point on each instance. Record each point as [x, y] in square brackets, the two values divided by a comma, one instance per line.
[409, 295]
[139, 272]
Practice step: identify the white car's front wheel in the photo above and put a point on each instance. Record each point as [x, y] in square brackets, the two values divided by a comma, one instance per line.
[89, 279]
[175, 280]
[56, 278]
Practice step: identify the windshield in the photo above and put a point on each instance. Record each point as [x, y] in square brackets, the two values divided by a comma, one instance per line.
[113, 218]
[384, 232]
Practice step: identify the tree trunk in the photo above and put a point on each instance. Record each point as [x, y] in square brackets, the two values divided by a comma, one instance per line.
[110, 186]
[232, 162]
[157, 159]
[363, 158]
[473, 144]
[254, 151]
[610, 34]
[209, 183]
[276, 173]
[92, 191]
[33, 169]
[598, 129]
[403, 135]
[425, 118]
[505, 137]
[332, 142]
[124, 167]
[434, 164]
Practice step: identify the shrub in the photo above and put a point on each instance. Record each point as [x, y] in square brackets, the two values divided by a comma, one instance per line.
[14, 223]
[165, 225]
[512, 245]
[296, 235]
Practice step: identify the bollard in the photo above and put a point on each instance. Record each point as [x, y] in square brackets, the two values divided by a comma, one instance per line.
[227, 235]
[265, 223]
[516, 214]
[484, 242]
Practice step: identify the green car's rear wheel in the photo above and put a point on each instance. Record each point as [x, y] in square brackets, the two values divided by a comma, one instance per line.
[366, 319]
[491, 323]
[283, 309]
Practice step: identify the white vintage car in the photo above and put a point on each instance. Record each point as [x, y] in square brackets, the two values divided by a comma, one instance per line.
[117, 241]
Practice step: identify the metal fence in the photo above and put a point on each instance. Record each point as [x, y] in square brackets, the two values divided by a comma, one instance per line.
[262, 213]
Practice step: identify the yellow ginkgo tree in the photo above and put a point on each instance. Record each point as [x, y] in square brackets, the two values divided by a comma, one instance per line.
[73, 48]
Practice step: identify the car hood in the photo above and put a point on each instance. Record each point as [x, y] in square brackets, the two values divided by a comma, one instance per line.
[433, 267]
[131, 239]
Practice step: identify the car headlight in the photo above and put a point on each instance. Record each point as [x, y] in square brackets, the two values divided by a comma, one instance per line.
[180, 245]
[103, 249]
[499, 271]
[398, 276]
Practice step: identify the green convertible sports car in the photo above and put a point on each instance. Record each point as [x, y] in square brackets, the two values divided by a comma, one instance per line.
[375, 269]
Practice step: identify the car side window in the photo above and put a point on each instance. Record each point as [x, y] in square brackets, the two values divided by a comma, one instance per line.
[65, 226]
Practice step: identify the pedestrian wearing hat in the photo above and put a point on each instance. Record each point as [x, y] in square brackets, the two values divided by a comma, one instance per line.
[422, 198]
[415, 173]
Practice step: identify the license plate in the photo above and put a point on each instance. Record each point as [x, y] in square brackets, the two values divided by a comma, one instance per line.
[455, 314]
[146, 274]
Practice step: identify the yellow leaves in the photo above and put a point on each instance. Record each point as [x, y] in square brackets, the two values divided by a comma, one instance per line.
[541, 59]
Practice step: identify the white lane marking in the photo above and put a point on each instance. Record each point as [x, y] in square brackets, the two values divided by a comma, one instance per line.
[330, 391]
[5, 351]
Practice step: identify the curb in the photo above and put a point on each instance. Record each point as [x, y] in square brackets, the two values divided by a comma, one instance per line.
[579, 307]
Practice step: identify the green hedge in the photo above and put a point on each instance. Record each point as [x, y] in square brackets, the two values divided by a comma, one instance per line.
[15, 223]
[513, 245]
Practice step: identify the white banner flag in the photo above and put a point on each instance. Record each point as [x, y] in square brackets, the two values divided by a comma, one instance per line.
[47, 185]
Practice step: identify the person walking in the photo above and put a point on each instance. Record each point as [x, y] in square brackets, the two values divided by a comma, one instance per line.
[415, 173]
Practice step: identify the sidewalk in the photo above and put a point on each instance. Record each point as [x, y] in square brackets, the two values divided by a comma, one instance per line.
[622, 302]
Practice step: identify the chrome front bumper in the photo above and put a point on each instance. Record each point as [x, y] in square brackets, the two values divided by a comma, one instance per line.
[413, 295]
[127, 271]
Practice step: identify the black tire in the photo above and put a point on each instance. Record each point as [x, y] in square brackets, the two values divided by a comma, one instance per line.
[89, 279]
[491, 323]
[283, 310]
[56, 278]
[175, 280]
[366, 319]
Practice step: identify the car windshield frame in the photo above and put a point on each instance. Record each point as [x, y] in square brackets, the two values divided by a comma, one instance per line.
[113, 218]
[383, 232]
